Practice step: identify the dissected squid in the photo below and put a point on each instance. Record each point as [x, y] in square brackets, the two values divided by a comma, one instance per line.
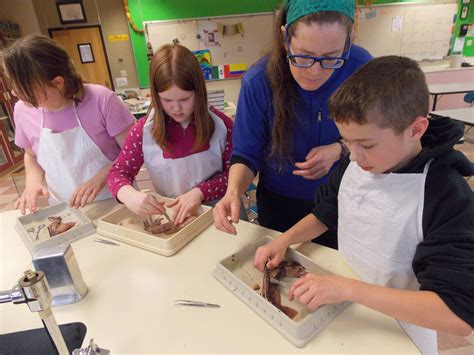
[155, 226]
[57, 226]
[270, 290]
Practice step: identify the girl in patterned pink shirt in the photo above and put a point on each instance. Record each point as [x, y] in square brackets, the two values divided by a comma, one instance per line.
[185, 145]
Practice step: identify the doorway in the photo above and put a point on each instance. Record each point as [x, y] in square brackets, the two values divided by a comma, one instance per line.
[85, 46]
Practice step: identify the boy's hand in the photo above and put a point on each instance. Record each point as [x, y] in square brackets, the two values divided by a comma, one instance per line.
[315, 290]
[185, 205]
[275, 251]
[29, 198]
[87, 192]
[141, 203]
[229, 205]
[318, 161]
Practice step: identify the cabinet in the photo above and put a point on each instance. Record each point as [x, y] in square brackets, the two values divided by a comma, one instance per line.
[10, 153]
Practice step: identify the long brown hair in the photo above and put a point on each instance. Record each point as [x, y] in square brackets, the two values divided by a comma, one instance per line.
[33, 61]
[282, 82]
[171, 65]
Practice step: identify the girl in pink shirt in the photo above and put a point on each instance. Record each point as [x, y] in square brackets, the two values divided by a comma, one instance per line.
[184, 145]
[70, 132]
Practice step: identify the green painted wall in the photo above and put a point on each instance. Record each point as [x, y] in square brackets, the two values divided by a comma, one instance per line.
[467, 50]
[149, 10]
[382, 2]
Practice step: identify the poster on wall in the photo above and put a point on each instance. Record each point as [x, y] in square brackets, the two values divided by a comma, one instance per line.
[464, 12]
[209, 33]
[71, 11]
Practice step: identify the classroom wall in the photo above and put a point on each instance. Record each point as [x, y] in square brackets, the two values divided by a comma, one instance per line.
[468, 49]
[21, 12]
[149, 10]
[120, 53]
[37, 16]
[110, 15]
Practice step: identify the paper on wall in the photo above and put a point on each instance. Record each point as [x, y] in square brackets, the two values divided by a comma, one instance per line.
[209, 33]
[397, 22]
[458, 45]
[121, 81]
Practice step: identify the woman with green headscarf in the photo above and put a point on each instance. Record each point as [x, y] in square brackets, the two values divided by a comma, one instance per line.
[283, 130]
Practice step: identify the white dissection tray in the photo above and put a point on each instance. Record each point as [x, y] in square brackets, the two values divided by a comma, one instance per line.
[34, 232]
[237, 273]
[127, 227]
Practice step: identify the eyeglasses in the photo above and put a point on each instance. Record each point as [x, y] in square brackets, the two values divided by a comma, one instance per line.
[306, 61]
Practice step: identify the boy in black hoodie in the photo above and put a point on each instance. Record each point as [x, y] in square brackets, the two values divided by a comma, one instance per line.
[403, 212]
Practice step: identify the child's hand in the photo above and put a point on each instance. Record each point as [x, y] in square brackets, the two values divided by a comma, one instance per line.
[275, 251]
[29, 198]
[315, 290]
[140, 203]
[186, 205]
[87, 192]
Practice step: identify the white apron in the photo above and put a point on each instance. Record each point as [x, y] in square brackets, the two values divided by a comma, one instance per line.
[69, 159]
[173, 177]
[379, 228]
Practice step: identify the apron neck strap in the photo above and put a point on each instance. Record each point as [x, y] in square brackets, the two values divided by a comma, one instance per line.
[75, 114]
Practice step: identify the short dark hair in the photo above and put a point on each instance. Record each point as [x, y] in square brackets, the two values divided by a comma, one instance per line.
[389, 91]
[33, 61]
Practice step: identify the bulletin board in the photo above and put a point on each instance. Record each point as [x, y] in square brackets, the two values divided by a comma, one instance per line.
[245, 47]
[418, 31]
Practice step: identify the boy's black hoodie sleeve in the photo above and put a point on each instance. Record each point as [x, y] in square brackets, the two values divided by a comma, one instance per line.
[325, 200]
[444, 261]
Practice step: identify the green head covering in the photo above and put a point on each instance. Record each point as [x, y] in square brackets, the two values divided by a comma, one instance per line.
[299, 8]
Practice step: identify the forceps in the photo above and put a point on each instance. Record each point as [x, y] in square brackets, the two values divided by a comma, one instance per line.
[36, 232]
[281, 283]
[165, 213]
[195, 304]
[105, 241]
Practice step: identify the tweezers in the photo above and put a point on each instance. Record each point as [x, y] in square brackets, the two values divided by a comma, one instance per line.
[165, 213]
[195, 304]
[105, 241]
[279, 282]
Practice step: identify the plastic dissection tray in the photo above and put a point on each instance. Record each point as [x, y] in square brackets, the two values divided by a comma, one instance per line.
[238, 274]
[33, 228]
[127, 227]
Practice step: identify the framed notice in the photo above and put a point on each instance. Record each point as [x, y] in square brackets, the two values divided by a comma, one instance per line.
[71, 11]
[85, 53]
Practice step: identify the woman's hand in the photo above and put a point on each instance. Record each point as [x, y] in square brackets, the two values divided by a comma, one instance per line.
[29, 198]
[271, 254]
[318, 161]
[186, 205]
[314, 290]
[140, 203]
[229, 205]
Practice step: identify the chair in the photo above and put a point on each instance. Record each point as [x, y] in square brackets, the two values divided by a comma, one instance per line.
[469, 97]
[252, 204]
